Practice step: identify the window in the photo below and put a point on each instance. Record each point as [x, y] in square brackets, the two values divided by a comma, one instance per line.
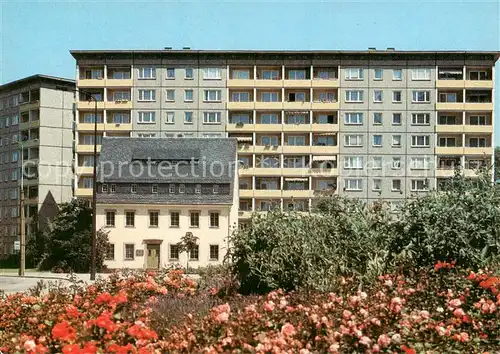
[147, 95]
[129, 251]
[396, 96]
[110, 218]
[174, 219]
[194, 219]
[171, 188]
[397, 74]
[296, 75]
[146, 117]
[120, 118]
[447, 142]
[297, 97]
[214, 252]
[197, 189]
[270, 97]
[14, 120]
[188, 117]
[353, 162]
[147, 73]
[447, 97]
[146, 135]
[215, 189]
[270, 75]
[104, 188]
[194, 253]
[212, 73]
[110, 252]
[241, 118]
[15, 156]
[478, 75]
[351, 184]
[182, 188]
[173, 254]
[396, 185]
[170, 118]
[420, 140]
[421, 74]
[296, 140]
[240, 97]
[240, 74]
[133, 188]
[418, 185]
[211, 117]
[188, 95]
[188, 74]
[13, 175]
[377, 118]
[212, 95]
[153, 218]
[354, 74]
[129, 218]
[170, 96]
[377, 185]
[477, 142]
[396, 141]
[378, 74]
[396, 119]
[419, 163]
[118, 73]
[270, 118]
[377, 140]
[353, 140]
[154, 189]
[376, 163]
[170, 73]
[354, 95]
[420, 118]
[396, 163]
[327, 97]
[353, 118]
[326, 119]
[113, 188]
[478, 120]
[377, 96]
[214, 219]
[421, 96]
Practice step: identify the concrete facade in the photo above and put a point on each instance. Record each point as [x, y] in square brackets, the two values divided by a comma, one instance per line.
[36, 120]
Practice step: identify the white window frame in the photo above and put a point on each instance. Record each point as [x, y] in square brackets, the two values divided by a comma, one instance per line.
[354, 74]
[209, 119]
[421, 74]
[396, 140]
[414, 141]
[170, 117]
[147, 95]
[357, 137]
[185, 116]
[142, 71]
[188, 77]
[396, 163]
[375, 92]
[186, 99]
[208, 93]
[420, 119]
[167, 76]
[400, 119]
[378, 77]
[420, 163]
[167, 93]
[381, 140]
[348, 118]
[353, 162]
[142, 114]
[354, 96]
[415, 185]
[376, 163]
[212, 73]
[377, 185]
[400, 96]
[354, 188]
[399, 187]
[378, 114]
[416, 99]
[397, 77]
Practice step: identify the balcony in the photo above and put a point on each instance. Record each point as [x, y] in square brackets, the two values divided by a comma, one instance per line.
[268, 149]
[30, 124]
[246, 193]
[450, 106]
[241, 106]
[89, 127]
[91, 83]
[445, 172]
[325, 128]
[268, 83]
[87, 148]
[240, 127]
[89, 105]
[304, 128]
[292, 149]
[450, 83]
[118, 127]
[319, 83]
[240, 83]
[473, 84]
[29, 106]
[297, 193]
[269, 105]
[478, 129]
[84, 170]
[295, 172]
[297, 105]
[479, 106]
[245, 214]
[478, 150]
[83, 192]
[324, 172]
[267, 193]
[449, 150]
[268, 127]
[121, 105]
[324, 150]
[455, 128]
[297, 83]
[261, 171]
[119, 82]
[325, 106]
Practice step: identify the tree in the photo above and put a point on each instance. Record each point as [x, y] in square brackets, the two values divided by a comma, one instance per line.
[497, 163]
[187, 245]
[67, 240]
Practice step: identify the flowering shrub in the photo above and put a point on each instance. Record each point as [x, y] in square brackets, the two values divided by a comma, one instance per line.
[440, 310]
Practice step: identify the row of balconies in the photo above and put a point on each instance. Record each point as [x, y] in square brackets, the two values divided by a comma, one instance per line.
[464, 106]
[235, 128]
[283, 105]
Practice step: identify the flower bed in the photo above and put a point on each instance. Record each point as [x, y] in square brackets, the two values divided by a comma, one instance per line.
[435, 311]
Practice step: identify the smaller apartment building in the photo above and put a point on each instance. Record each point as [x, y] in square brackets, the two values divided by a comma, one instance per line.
[36, 150]
[151, 192]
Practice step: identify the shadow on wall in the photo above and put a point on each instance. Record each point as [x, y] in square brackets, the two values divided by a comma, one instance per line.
[48, 210]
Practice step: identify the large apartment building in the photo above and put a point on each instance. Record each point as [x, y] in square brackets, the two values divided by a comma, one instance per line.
[367, 124]
[36, 136]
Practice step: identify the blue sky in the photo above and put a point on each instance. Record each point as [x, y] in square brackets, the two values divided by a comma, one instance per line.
[35, 36]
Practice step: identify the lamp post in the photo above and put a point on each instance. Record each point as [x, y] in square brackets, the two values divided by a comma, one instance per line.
[90, 97]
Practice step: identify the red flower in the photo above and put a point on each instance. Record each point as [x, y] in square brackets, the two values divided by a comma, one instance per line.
[63, 331]
[408, 350]
[71, 348]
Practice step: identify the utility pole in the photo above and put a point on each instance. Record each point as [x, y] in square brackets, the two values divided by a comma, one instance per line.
[94, 198]
[22, 236]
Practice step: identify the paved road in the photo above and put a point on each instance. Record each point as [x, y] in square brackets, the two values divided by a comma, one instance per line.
[10, 283]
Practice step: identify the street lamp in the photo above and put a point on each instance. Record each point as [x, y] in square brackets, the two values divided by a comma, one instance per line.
[90, 97]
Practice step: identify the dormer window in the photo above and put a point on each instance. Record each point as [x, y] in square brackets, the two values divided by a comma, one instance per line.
[182, 188]
[154, 189]
[113, 188]
[104, 188]
[171, 188]
[133, 188]
[215, 189]
[197, 189]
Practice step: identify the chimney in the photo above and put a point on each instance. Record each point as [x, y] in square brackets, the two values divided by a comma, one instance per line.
[391, 49]
[168, 48]
[186, 48]
[372, 48]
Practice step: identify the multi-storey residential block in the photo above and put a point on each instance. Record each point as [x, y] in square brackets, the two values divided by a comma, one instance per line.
[366, 124]
[151, 192]
[36, 136]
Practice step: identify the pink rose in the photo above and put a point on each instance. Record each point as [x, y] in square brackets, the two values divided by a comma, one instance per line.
[269, 306]
[29, 345]
[288, 330]
[365, 340]
[384, 340]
